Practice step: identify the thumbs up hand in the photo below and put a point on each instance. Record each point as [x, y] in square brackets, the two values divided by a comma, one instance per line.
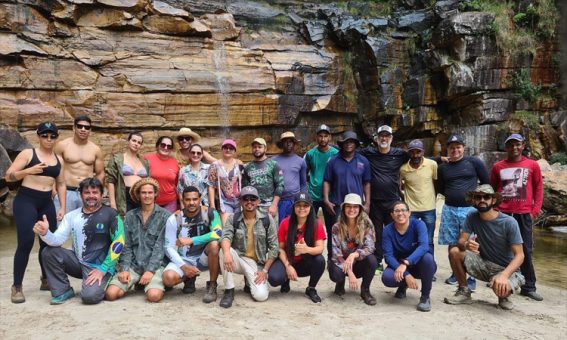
[41, 227]
[472, 245]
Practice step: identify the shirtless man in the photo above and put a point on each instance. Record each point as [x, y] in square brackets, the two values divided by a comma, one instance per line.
[83, 159]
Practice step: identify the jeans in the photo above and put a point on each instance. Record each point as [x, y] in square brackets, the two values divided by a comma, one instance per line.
[284, 208]
[380, 216]
[424, 269]
[527, 267]
[428, 217]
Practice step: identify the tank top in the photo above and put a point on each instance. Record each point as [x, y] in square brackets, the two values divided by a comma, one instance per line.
[49, 171]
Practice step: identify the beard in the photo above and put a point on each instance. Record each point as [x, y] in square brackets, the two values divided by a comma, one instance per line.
[415, 160]
[484, 208]
[259, 154]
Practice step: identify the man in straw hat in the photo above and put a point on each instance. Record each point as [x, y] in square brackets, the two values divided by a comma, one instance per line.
[294, 172]
[186, 137]
[489, 249]
[142, 259]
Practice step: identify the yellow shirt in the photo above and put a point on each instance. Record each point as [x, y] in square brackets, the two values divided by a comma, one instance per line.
[250, 248]
[418, 185]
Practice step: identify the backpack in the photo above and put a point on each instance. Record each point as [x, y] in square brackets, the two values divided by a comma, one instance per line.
[265, 221]
[206, 217]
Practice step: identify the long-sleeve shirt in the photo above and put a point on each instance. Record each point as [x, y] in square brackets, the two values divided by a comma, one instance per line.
[114, 175]
[455, 179]
[412, 245]
[520, 184]
[98, 237]
[342, 249]
[202, 229]
[144, 247]
[267, 177]
[294, 174]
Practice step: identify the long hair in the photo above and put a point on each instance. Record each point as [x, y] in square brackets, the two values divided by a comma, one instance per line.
[360, 226]
[308, 233]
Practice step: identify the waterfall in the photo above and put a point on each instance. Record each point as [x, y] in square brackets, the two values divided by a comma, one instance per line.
[223, 87]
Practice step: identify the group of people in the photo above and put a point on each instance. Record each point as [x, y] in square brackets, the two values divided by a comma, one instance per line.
[174, 214]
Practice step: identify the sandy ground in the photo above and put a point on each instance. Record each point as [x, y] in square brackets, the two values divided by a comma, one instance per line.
[282, 316]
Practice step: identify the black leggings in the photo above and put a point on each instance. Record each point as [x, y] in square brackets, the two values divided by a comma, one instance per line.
[365, 269]
[29, 206]
[312, 266]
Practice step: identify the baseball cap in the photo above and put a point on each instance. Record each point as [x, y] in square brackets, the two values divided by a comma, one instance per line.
[416, 144]
[249, 191]
[455, 139]
[515, 136]
[325, 128]
[229, 142]
[384, 128]
[47, 127]
[302, 197]
[260, 141]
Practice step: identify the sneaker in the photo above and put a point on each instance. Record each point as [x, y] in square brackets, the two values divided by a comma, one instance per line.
[63, 297]
[434, 279]
[211, 293]
[17, 294]
[312, 294]
[451, 280]
[379, 270]
[462, 296]
[505, 304]
[189, 285]
[401, 292]
[285, 288]
[424, 304]
[227, 298]
[532, 295]
[367, 297]
[340, 288]
[247, 289]
[471, 283]
[44, 284]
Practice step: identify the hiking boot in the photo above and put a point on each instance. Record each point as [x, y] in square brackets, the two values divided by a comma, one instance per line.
[227, 298]
[312, 294]
[424, 304]
[340, 288]
[285, 288]
[451, 280]
[189, 285]
[462, 296]
[17, 294]
[63, 297]
[367, 297]
[44, 284]
[471, 283]
[211, 293]
[401, 292]
[505, 304]
[532, 295]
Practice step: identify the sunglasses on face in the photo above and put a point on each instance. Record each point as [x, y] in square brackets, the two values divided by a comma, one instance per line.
[50, 136]
[83, 126]
[198, 153]
[184, 139]
[166, 146]
[485, 197]
[249, 199]
[229, 149]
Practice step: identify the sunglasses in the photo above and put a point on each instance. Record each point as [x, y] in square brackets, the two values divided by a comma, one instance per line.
[485, 197]
[83, 126]
[198, 153]
[48, 136]
[228, 148]
[184, 139]
[166, 146]
[249, 199]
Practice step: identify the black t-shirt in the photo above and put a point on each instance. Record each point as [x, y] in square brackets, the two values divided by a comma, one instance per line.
[385, 183]
[455, 179]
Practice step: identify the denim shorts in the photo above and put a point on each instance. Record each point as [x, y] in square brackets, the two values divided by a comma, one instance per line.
[452, 221]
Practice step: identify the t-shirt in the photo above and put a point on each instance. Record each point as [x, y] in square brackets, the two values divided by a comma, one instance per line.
[294, 173]
[412, 245]
[267, 177]
[520, 184]
[284, 227]
[455, 179]
[385, 184]
[165, 173]
[347, 177]
[316, 161]
[250, 251]
[495, 237]
[418, 185]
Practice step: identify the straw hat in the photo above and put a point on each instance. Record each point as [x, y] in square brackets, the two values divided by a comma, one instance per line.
[135, 189]
[188, 132]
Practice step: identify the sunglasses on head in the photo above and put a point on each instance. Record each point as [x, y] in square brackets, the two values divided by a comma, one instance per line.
[249, 198]
[48, 135]
[184, 139]
[479, 197]
[166, 146]
[83, 126]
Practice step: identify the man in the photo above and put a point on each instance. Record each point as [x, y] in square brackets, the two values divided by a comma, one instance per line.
[294, 173]
[316, 160]
[83, 159]
[186, 137]
[191, 241]
[418, 177]
[346, 173]
[523, 201]
[98, 239]
[249, 246]
[456, 177]
[385, 162]
[266, 176]
[141, 260]
[489, 248]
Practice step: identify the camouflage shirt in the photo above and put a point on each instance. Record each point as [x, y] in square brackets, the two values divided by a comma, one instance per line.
[267, 177]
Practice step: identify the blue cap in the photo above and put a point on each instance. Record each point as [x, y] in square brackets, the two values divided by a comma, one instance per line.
[416, 144]
[515, 136]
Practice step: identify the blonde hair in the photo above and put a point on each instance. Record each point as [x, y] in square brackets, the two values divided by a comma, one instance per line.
[361, 225]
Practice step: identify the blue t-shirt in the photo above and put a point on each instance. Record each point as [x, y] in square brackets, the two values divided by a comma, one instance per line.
[347, 177]
[411, 246]
[455, 179]
[294, 173]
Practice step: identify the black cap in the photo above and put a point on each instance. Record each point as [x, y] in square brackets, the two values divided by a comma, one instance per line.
[455, 139]
[348, 135]
[325, 128]
[302, 197]
[47, 127]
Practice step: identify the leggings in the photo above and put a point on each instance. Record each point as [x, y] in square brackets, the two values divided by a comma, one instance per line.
[424, 269]
[29, 206]
[365, 268]
[312, 266]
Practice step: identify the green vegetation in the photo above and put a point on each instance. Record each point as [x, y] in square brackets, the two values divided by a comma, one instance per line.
[560, 157]
[530, 119]
[523, 86]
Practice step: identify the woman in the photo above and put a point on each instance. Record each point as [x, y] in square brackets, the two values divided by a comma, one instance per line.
[226, 177]
[301, 237]
[353, 247]
[406, 252]
[38, 169]
[122, 171]
[164, 169]
[194, 174]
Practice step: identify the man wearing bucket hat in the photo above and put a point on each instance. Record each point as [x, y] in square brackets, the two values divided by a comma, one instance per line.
[294, 172]
[489, 248]
[187, 137]
[142, 259]
[519, 180]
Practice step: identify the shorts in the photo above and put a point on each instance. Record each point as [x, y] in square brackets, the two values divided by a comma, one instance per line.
[452, 221]
[485, 270]
[230, 207]
[199, 261]
[73, 201]
[155, 283]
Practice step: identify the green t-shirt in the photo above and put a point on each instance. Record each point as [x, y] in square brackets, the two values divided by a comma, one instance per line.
[267, 177]
[316, 162]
